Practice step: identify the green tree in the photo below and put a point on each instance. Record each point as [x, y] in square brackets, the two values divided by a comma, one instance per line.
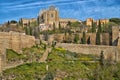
[115, 20]
[27, 30]
[75, 24]
[29, 24]
[102, 59]
[8, 23]
[49, 76]
[54, 29]
[84, 38]
[13, 21]
[69, 23]
[76, 38]
[98, 34]
[38, 21]
[59, 26]
[98, 38]
[93, 27]
[46, 36]
[99, 27]
[35, 33]
[21, 22]
[30, 28]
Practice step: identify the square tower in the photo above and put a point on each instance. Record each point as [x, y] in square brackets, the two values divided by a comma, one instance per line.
[49, 17]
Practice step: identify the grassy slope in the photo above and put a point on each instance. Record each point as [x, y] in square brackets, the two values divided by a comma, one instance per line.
[58, 59]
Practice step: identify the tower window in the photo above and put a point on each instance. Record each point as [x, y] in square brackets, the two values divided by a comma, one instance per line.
[51, 15]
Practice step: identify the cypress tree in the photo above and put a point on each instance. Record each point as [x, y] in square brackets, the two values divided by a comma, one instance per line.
[30, 28]
[59, 26]
[98, 34]
[98, 37]
[93, 27]
[38, 21]
[102, 59]
[8, 23]
[54, 27]
[76, 38]
[99, 27]
[69, 23]
[46, 36]
[84, 38]
[26, 30]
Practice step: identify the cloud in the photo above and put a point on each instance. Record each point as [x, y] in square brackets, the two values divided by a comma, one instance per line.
[41, 4]
[80, 9]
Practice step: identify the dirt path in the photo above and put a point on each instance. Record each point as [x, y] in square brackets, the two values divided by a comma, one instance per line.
[45, 55]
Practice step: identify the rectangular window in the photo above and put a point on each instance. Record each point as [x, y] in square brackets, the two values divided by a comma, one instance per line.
[51, 15]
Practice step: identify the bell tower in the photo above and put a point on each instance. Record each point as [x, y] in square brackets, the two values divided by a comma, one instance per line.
[49, 16]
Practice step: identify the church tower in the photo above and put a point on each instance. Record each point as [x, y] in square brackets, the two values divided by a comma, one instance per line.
[49, 17]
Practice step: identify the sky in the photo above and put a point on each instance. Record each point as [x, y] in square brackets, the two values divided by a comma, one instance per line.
[78, 9]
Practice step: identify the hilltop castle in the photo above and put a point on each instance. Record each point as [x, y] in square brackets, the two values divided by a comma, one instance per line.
[49, 17]
[90, 20]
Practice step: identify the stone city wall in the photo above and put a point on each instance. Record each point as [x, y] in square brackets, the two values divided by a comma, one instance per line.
[109, 51]
[90, 38]
[16, 41]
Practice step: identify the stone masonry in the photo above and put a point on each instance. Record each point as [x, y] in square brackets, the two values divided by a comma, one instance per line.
[109, 51]
[15, 41]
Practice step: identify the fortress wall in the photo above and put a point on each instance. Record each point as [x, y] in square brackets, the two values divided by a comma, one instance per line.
[115, 35]
[105, 39]
[27, 41]
[109, 51]
[90, 38]
[16, 41]
[2, 56]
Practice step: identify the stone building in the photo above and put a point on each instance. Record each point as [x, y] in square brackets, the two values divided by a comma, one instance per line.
[49, 17]
[89, 21]
[64, 21]
[26, 21]
[102, 21]
[43, 27]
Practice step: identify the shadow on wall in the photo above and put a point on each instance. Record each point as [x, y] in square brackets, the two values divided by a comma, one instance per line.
[115, 43]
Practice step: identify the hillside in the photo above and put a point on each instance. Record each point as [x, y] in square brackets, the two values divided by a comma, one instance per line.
[65, 65]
